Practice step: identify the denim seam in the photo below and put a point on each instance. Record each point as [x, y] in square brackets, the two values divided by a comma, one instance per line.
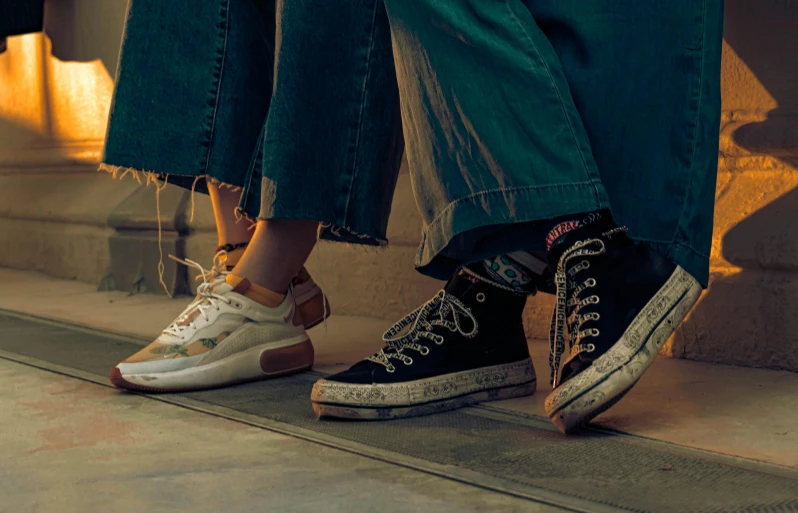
[256, 157]
[503, 190]
[362, 109]
[218, 84]
[697, 120]
[556, 90]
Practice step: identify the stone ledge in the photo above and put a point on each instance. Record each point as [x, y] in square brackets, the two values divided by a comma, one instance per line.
[71, 251]
[83, 198]
[46, 156]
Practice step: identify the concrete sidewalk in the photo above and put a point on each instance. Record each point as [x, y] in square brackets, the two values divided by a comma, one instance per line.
[72, 446]
[742, 412]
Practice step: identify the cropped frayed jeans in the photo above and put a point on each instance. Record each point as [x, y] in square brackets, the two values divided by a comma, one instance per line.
[294, 102]
[513, 112]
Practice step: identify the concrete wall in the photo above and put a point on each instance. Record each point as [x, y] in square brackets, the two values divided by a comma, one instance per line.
[59, 216]
[749, 315]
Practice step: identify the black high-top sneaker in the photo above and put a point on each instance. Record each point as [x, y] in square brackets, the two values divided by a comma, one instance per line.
[619, 301]
[465, 345]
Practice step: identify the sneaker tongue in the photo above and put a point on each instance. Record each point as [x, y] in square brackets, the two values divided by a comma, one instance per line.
[565, 234]
[459, 283]
[221, 286]
[557, 241]
[464, 287]
[558, 233]
[217, 287]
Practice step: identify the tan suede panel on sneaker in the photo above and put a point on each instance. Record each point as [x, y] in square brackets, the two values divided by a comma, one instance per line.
[159, 351]
[254, 292]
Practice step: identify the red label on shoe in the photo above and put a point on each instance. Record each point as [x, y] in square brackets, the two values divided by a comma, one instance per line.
[560, 230]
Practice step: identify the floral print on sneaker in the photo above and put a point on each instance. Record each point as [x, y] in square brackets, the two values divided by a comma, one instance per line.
[161, 351]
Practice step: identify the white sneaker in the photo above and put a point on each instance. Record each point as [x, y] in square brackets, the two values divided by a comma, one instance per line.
[221, 338]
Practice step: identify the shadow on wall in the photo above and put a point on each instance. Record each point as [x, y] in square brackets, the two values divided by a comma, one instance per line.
[85, 30]
[750, 318]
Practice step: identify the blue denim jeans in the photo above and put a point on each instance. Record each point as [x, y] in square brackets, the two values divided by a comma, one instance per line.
[514, 112]
[295, 102]
[517, 111]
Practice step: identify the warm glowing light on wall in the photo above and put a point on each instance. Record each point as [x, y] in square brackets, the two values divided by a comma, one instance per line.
[42, 97]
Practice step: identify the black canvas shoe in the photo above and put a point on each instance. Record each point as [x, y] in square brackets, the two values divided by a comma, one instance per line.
[465, 345]
[619, 301]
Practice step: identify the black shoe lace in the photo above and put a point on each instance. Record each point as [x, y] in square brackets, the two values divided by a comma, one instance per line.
[442, 310]
[566, 315]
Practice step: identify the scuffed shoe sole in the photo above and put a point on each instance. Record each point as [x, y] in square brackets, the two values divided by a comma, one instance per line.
[593, 391]
[423, 397]
[346, 412]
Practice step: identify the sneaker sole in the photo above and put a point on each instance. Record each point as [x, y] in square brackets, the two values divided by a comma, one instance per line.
[254, 364]
[596, 389]
[424, 396]
[311, 304]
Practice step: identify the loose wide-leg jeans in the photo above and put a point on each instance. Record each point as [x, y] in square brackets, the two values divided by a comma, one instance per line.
[516, 111]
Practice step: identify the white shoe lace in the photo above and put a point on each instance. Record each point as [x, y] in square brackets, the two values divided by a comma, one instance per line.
[421, 322]
[560, 316]
[206, 299]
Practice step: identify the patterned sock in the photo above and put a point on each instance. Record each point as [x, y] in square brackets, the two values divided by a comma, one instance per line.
[516, 270]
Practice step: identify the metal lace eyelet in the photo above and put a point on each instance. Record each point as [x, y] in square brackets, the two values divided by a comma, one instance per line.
[591, 282]
[591, 348]
[424, 351]
[480, 297]
[391, 370]
[594, 332]
[594, 300]
[409, 361]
